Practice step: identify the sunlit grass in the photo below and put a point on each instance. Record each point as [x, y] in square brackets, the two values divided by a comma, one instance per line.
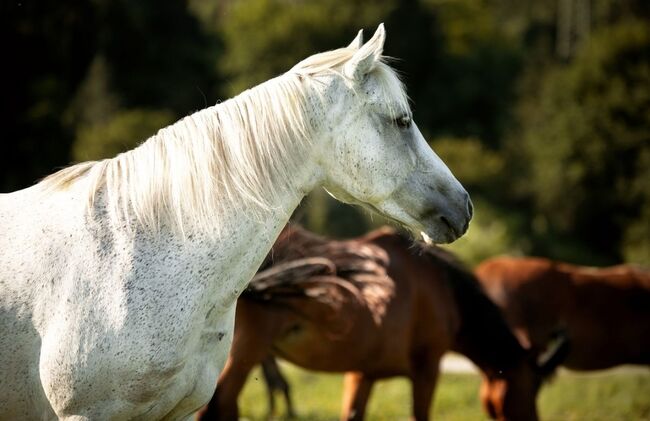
[619, 395]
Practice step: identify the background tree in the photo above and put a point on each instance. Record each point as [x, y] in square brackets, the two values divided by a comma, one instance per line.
[539, 108]
[588, 143]
[77, 67]
[47, 47]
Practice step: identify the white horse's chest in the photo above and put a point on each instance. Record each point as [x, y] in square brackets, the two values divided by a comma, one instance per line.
[148, 323]
[113, 326]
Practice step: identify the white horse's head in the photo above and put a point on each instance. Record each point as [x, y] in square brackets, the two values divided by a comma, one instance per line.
[372, 153]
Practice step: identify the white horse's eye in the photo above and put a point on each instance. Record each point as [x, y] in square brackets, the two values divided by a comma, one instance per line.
[403, 122]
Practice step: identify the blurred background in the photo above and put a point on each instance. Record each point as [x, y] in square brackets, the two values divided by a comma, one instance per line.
[540, 108]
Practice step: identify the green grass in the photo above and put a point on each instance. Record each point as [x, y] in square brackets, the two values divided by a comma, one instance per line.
[598, 397]
[608, 396]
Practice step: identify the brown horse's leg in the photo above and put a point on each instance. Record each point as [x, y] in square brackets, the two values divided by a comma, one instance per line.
[275, 381]
[291, 413]
[356, 391]
[268, 372]
[424, 384]
[286, 391]
[223, 405]
[256, 327]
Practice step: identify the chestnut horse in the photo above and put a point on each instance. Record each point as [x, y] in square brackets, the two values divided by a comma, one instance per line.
[604, 313]
[374, 307]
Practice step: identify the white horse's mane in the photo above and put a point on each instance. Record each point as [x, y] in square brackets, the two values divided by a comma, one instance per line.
[242, 152]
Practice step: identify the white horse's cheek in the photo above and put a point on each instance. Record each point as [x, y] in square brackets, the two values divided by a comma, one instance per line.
[413, 157]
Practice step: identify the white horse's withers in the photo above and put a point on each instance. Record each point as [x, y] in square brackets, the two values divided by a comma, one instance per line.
[119, 278]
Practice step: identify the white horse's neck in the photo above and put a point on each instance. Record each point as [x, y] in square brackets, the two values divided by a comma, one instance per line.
[249, 226]
[269, 160]
[261, 141]
[251, 157]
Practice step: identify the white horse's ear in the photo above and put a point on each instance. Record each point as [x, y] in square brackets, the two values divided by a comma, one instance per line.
[357, 42]
[368, 54]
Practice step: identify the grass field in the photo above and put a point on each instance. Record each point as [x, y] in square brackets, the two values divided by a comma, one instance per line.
[609, 396]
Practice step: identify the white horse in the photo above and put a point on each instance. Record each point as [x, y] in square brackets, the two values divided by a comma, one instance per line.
[118, 278]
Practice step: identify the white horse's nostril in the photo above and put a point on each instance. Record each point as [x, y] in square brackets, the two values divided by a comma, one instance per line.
[449, 225]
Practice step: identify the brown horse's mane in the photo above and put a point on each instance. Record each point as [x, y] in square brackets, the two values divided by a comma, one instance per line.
[358, 270]
[484, 336]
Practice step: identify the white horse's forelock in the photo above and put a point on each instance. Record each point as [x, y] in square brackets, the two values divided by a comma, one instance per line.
[393, 90]
[243, 151]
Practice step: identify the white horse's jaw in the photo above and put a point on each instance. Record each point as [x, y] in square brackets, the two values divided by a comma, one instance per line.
[426, 238]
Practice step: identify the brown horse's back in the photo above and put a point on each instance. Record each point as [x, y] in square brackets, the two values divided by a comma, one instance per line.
[398, 304]
[605, 312]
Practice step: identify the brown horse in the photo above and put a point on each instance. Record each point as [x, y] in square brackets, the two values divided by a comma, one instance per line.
[604, 313]
[374, 307]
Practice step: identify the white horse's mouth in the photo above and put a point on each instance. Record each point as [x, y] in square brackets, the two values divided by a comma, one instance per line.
[410, 223]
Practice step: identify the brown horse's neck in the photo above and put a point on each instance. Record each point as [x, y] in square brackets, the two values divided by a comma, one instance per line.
[483, 336]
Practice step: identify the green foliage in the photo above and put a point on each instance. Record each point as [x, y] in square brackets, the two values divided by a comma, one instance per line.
[153, 55]
[636, 237]
[46, 46]
[493, 231]
[264, 38]
[323, 214]
[95, 101]
[475, 166]
[125, 130]
[455, 17]
[158, 54]
[588, 141]
[465, 84]
[103, 127]
[459, 75]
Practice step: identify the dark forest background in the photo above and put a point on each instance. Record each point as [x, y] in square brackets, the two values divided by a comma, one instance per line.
[541, 108]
